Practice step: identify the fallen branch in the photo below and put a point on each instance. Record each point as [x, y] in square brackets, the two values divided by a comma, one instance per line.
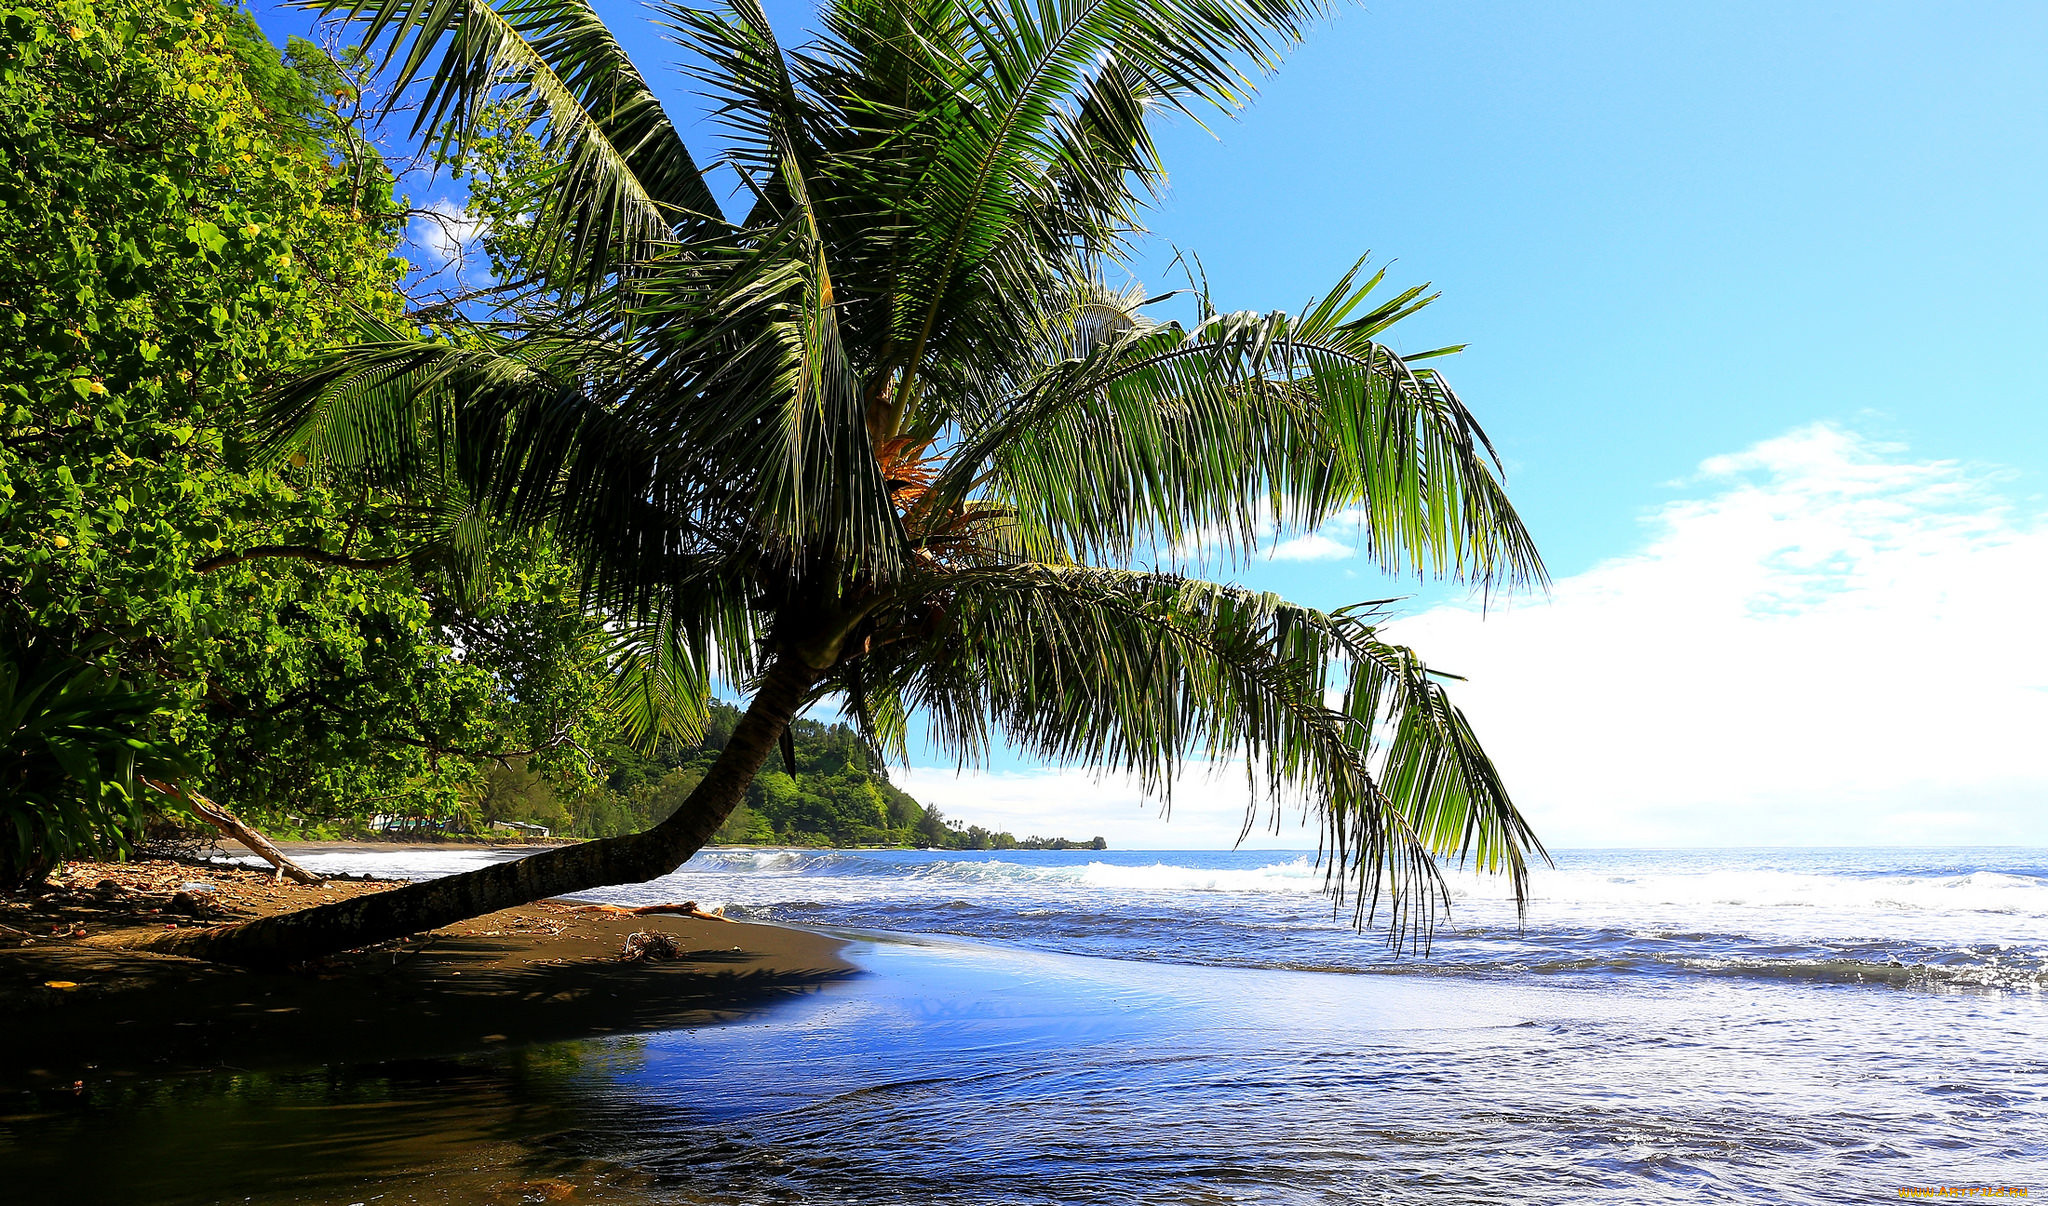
[687, 908]
[224, 821]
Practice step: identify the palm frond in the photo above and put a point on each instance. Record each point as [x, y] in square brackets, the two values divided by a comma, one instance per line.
[1041, 128]
[659, 689]
[625, 180]
[1149, 674]
[518, 427]
[1169, 435]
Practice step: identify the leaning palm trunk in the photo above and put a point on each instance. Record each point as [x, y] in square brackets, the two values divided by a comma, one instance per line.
[379, 916]
[887, 439]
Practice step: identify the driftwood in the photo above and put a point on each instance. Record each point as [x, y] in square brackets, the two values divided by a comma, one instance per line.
[224, 821]
[687, 908]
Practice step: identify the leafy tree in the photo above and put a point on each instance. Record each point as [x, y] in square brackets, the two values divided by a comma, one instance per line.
[744, 827]
[883, 435]
[183, 212]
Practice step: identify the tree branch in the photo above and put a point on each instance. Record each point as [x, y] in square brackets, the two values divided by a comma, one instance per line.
[462, 299]
[224, 821]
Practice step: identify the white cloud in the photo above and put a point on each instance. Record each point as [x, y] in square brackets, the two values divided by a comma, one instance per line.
[1831, 643]
[1208, 808]
[1337, 539]
[1827, 642]
[445, 231]
[1311, 547]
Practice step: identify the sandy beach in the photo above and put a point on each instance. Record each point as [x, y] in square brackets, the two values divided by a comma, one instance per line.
[1083, 1028]
[532, 974]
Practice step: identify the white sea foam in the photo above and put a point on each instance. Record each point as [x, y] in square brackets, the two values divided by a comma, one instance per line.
[1976, 892]
[1633, 891]
[421, 862]
[1298, 877]
[1721, 912]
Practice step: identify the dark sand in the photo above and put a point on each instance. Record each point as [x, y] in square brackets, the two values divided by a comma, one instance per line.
[531, 974]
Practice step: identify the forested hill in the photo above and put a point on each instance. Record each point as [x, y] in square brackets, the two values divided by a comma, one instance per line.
[839, 796]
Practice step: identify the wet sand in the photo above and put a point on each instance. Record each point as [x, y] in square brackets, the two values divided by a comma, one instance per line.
[541, 972]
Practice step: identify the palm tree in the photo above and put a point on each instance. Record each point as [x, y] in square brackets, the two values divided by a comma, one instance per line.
[889, 440]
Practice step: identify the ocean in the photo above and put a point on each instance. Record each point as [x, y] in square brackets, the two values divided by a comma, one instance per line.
[1792, 1026]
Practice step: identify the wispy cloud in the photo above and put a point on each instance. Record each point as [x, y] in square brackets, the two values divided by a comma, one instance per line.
[1829, 642]
[1209, 807]
[1825, 641]
[1314, 546]
[1336, 539]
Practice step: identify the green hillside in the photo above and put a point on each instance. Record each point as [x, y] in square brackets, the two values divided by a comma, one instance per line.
[840, 795]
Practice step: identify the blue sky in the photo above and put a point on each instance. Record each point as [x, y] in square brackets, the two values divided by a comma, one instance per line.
[1755, 302]
[1666, 231]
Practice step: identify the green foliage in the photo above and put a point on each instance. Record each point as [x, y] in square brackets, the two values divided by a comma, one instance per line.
[70, 756]
[840, 795]
[184, 212]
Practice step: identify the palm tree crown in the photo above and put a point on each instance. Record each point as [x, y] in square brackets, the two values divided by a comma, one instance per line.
[889, 431]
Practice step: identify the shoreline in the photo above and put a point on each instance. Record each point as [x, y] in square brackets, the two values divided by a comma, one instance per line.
[532, 974]
[352, 846]
[296, 847]
[339, 846]
[1004, 1023]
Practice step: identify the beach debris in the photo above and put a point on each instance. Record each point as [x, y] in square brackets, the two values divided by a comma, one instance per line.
[651, 945]
[60, 984]
[190, 904]
[687, 908]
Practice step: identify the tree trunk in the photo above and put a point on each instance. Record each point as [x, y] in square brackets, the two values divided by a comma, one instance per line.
[225, 821]
[430, 904]
[227, 824]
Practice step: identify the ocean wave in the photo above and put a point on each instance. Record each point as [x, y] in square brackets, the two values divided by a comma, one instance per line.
[1973, 892]
[2009, 893]
[1297, 876]
[1823, 917]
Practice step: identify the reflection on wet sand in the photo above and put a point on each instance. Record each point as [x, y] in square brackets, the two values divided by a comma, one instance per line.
[480, 1129]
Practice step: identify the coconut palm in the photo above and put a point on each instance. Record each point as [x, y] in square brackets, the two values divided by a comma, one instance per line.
[887, 440]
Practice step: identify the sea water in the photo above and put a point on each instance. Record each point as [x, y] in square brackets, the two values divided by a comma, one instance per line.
[1751, 1025]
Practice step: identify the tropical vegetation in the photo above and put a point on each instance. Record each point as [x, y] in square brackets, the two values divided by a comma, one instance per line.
[845, 414]
[184, 212]
[187, 213]
[836, 792]
[884, 436]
